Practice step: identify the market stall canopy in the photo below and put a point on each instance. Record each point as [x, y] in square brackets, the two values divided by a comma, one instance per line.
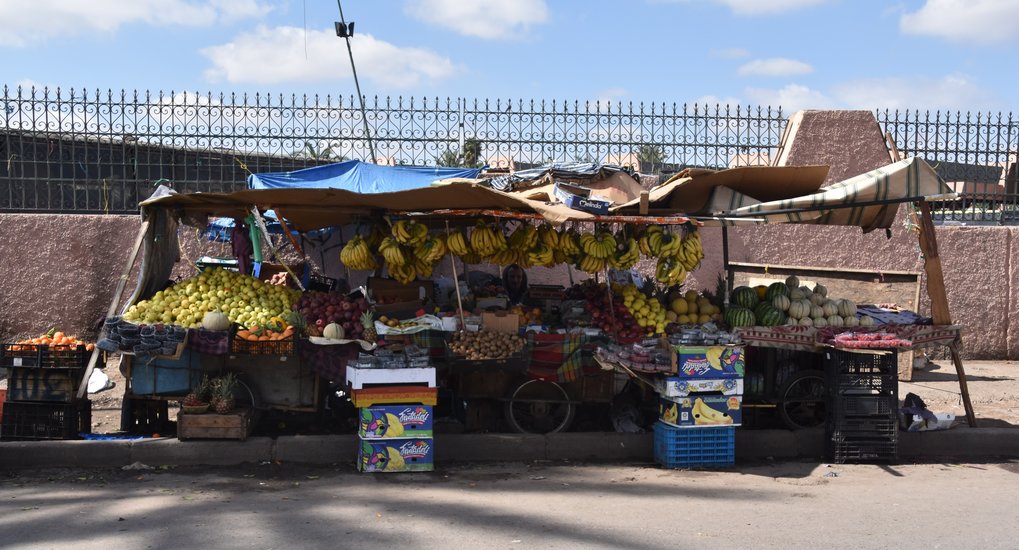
[868, 201]
[691, 191]
[360, 177]
[307, 209]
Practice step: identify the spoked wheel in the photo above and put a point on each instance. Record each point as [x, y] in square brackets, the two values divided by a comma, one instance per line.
[539, 407]
[802, 400]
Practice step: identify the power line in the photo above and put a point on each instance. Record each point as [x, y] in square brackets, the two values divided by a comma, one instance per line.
[345, 31]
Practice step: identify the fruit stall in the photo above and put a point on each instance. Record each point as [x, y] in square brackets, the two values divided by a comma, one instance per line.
[624, 336]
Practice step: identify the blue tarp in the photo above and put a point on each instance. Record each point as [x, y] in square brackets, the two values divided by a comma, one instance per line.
[360, 177]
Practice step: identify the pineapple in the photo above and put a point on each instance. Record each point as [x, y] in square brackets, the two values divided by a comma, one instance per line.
[368, 322]
[223, 392]
[199, 395]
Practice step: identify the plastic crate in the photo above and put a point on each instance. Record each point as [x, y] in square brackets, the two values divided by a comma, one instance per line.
[43, 356]
[694, 447]
[852, 382]
[240, 346]
[841, 362]
[844, 448]
[883, 426]
[30, 420]
[877, 404]
[44, 384]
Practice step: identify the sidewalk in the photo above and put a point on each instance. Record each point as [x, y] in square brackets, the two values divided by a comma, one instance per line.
[993, 386]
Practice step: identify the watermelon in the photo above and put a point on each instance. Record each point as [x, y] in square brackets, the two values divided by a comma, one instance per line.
[739, 316]
[776, 289]
[768, 316]
[744, 296]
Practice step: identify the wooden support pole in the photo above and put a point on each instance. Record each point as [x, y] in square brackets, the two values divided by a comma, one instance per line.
[939, 298]
[117, 293]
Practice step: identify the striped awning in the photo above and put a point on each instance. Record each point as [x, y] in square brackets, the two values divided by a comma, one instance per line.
[868, 201]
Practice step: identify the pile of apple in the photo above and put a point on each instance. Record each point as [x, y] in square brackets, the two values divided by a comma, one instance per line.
[616, 319]
[321, 308]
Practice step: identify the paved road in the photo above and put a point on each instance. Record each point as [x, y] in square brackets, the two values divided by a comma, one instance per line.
[544, 505]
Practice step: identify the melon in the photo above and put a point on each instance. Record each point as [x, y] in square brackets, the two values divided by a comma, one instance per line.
[744, 296]
[835, 321]
[821, 289]
[830, 308]
[816, 312]
[739, 316]
[799, 309]
[792, 281]
[820, 322]
[816, 299]
[866, 321]
[851, 321]
[797, 294]
[776, 289]
[215, 320]
[806, 322]
[781, 303]
[846, 308]
[333, 331]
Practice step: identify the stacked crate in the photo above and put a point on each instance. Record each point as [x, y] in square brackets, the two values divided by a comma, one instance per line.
[395, 416]
[700, 407]
[862, 390]
[42, 393]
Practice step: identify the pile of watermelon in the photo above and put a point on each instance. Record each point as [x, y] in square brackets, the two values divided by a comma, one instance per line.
[748, 308]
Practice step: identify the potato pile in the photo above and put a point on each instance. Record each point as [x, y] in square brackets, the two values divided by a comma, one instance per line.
[485, 344]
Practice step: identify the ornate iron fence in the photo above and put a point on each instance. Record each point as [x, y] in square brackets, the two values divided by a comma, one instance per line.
[102, 152]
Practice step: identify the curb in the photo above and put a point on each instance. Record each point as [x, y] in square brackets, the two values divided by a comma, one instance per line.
[959, 443]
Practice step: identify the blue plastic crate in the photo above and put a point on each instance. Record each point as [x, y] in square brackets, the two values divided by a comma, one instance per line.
[694, 447]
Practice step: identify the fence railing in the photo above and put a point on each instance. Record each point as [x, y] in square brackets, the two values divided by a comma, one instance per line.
[102, 152]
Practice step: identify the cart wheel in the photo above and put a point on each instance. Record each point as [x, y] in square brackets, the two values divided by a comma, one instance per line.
[539, 407]
[802, 400]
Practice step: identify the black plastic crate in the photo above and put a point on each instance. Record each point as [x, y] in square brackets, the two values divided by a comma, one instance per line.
[31, 421]
[854, 382]
[44, 384]
[839, 362]
[43, 356]
[876, 427]
[844, 448]
[870, 405]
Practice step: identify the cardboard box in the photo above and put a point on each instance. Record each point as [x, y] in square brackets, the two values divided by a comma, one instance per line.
[395, 421]
[395, 455]
[393, 395]
[500, 321]
[701, 410]
[357, 378]
[708, 361]
[409, 298]
[574, 197]
[673, 386]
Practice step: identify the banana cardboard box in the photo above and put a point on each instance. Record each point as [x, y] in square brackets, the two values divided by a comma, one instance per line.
[709, 361]
[674, 386]
[394, 421]
[702, 411]
[396, 455]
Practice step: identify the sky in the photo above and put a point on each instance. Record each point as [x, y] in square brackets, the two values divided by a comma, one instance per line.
[797, 54]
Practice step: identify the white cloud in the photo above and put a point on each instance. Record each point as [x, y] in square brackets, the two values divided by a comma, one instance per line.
[493, 19]
[979, 21]
[775, 66]
[762, 7]
[27, 22]
[728, 53]
[952, 92]
[791, 97]
[274, 55]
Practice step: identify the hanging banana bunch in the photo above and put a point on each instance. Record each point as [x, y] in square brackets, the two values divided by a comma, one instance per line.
[600, 244]
[487, 241]
[690, 251]
[457, 243]
[626, 255]
[392, 252]
[410, 232]
[356, 254]
[669, 271]
[524, 237]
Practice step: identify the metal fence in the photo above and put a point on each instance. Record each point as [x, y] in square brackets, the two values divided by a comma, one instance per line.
[102, 152]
